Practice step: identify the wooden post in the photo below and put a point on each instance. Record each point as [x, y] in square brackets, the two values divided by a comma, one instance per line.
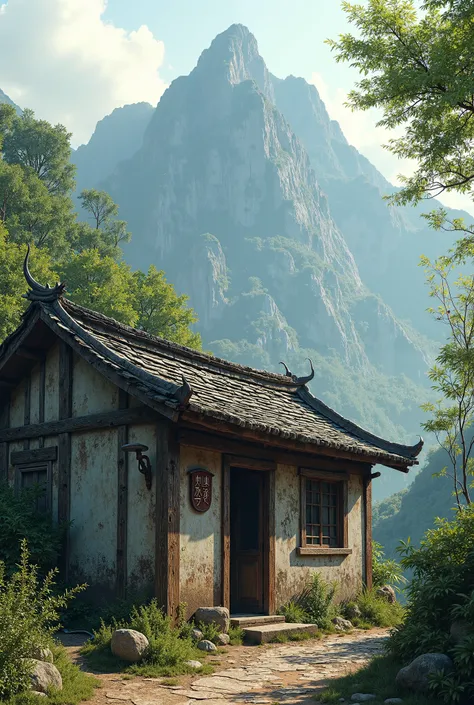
[4, 423]
[41, 398]
[368, 530]
[27, 408]
[122, 503]
[64, 449]
[167, 487]
[225, 532]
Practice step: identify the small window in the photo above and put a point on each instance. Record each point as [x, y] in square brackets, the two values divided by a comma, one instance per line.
[36, 476]
[323, 512]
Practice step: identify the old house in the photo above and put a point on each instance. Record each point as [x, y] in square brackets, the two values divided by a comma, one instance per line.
[204, 481]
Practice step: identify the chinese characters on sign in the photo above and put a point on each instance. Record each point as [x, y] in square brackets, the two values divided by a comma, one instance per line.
[201, 489]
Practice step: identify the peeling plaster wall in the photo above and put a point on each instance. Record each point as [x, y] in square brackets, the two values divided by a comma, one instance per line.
[292, 570]
[201, 535]
[141, 514]
[91, 392]
[93, 535]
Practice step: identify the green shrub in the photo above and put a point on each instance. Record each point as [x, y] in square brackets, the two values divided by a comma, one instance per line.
[29, 613]
[441, 590]
[209, 631]
[293, 613]
[316, 601]
[169, 646]
[385, 571]
[19, 520]
[377, 611]
[236, 635]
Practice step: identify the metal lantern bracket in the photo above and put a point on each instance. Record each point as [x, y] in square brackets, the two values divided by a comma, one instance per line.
[144, 465]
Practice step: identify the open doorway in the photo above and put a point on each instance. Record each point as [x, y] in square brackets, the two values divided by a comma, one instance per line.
[247, 540]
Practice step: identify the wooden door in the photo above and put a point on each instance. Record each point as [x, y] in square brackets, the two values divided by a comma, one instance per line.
[247, 517]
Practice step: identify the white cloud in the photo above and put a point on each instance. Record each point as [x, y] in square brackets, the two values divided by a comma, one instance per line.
[60, 58]
[360, 129]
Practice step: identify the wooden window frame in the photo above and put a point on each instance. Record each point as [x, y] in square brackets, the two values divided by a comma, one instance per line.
[24, 468]
[342, 480]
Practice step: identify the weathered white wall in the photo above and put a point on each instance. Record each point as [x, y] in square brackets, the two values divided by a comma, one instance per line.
[91, 392]
[201, 535]
[51, 396]
[141, 513]
[93, 534]
[292, 570]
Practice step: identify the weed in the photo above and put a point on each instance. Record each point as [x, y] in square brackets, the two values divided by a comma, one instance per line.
[236, 635]
[293, 613]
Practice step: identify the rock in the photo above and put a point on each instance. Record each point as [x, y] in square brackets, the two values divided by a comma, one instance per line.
[393, 701]
[352, 611]
[388, 593]
[193, 664]
[44, 676]
[206, 645]
[342, 623]
[40, 653]
[223, 639]
[128, 645]
[415, 675]
[362, 697]
[214, 615]
[38, 692]
[197, 634]
[459, 629]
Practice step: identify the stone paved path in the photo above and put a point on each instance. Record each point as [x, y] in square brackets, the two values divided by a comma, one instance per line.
[290, 674]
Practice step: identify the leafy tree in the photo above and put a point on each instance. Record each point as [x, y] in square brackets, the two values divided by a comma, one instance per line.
[453, 373]
[37, 145]
[161, 311]
[12, 282]
[418, 70]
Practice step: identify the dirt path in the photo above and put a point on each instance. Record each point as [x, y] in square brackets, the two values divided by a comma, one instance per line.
[291, 673]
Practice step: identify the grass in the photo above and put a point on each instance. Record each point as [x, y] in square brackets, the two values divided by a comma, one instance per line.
[297, 636]
[377, 678]
[375, 611]
[77, 686]
[236, 635]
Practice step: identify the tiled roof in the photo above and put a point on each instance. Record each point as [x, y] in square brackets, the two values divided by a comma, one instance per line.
[178, 377]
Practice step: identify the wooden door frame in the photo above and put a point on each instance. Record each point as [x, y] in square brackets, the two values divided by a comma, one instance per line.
[269, 468]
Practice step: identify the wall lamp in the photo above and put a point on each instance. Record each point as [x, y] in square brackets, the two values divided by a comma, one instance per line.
[144, 465]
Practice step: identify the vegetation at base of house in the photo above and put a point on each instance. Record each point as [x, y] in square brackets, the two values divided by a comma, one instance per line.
[236, 635]
[20, 520]
[29, 614]
[377, 678]
[169, 647]
[36, 207]
[317, 603]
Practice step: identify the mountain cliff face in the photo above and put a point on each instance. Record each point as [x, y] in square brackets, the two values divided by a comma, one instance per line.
[5, 99]
[247, 195]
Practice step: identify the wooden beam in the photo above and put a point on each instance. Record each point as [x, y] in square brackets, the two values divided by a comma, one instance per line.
[225, 533]
[240, 461]
[21, 457]
[41, 397]
[122, 503]
[270, 572]
[109, 419]
[167, 542]
[64, 449]
[368, 531]
[193, 437]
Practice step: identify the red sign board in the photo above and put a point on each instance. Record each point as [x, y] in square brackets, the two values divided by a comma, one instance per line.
[201, 489]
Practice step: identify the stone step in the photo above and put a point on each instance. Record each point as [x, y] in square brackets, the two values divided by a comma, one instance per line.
[262, 634]
[255, 620]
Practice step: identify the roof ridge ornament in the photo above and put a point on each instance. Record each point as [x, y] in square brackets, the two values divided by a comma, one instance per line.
[184, 392]
[38, 292]
[299, 381]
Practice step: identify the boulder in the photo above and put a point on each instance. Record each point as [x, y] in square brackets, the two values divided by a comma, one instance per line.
[206, 645]
[41, 653]
[193, 664]
[393, 701]
[415, 676]
[44, 676]
[128, 645]
[341, 623]
[197, 634]
[460, 629]
[362, 697]
[352, 611]
[223, 639]
[388, 593]
[214, 615]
